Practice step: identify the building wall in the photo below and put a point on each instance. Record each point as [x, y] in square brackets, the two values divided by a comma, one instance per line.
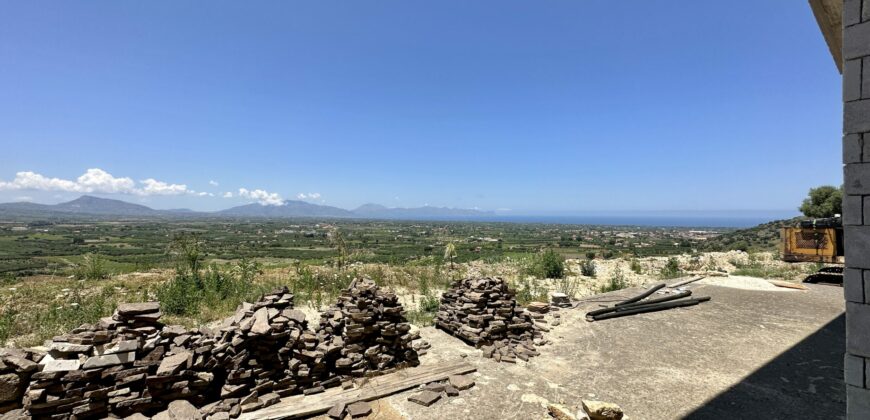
[856, 203]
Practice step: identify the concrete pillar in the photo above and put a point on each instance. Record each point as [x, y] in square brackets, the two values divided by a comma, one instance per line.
[856, 204]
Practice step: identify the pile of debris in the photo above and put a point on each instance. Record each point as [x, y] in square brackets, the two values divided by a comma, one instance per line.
[16, 367]
[366, 332]
[264, 352]
[484, 312]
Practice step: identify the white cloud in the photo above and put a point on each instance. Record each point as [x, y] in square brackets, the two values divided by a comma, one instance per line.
[263, 197]
[213, 183]
[205, 194]
[94, 180]
[309, 196]
[228, 195]
[155, 187]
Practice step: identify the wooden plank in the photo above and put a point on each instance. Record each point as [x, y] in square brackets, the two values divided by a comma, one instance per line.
[788, 284]
[299, 406]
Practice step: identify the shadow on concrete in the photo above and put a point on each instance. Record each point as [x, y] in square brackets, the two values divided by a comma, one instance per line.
[804, 382]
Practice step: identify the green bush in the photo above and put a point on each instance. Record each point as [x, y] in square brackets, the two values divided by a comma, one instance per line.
[93, 267]
[587, 268]
[616, 281]
[636, 267]
[548, 264]
[824, 201]
[671, 269]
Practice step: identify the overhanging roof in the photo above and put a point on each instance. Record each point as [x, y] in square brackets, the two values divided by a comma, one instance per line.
[829, 15]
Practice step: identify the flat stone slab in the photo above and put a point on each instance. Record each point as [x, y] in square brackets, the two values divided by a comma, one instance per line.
[173, 364]
[461, 382]
[129, 309]
[425, 398]
[59, 365]
[359, 409]
[107, 360]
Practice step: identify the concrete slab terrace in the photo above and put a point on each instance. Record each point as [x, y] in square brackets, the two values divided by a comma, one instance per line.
[746, 354]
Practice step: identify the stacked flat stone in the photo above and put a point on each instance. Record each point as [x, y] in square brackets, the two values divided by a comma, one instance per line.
[484, 313]
[16, 367]
[367, 331]
[265, 352]
[98, 369]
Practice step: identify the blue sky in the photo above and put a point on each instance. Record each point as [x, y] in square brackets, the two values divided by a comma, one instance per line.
[537, 107]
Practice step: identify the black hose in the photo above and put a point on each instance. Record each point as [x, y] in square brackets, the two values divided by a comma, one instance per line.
[639, 309]
[646, 293]
[631, 305]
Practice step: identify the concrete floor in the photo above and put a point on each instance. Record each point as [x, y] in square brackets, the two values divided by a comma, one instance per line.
[746, 354]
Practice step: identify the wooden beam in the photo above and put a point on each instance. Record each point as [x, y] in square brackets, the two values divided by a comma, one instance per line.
[829, 16]
[300, 406]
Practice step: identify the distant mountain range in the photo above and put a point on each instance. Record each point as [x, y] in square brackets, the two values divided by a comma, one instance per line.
[104, 207]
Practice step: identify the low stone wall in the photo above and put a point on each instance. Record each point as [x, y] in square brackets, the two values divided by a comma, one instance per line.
[131, 363]
[485, 313]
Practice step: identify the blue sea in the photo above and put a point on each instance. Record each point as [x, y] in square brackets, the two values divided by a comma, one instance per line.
[737, 219]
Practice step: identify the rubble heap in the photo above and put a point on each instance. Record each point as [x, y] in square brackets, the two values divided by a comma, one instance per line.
[367, 327]
[484, 312]
[265, 351]
[16, 367]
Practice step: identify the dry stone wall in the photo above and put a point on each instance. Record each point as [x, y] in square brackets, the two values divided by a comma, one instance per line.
[131, 363]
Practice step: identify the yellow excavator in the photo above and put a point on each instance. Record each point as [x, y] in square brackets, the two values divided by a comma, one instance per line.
[816, 240]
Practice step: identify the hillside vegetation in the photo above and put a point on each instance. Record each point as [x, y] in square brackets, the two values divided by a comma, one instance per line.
[761, 238]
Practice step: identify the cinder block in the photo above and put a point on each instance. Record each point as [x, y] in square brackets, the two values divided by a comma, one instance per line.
[852, 210]
[857, 403]
[867, 286]
[865, 82]
[853, 148]
[851, 12]
[853, 370]
[856, 177]
[857, 244]
[853, 285]
[852, 79]
[857, 333]
[865, 15]
[856, 41]
[856, 116]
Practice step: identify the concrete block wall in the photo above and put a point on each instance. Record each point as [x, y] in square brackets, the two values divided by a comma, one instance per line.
[856, 204]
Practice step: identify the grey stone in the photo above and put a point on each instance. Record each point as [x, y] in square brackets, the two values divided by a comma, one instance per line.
[261, 322]
[865, 14]
[10, 387]
[852, 79]
[60, 365]
[855, 41]
[337, 411]
[130, 309]
[173, 364]
[359, 409]
[857, 178]
[857, 244]
[853, 284]
[856, 116]
[460, 382]
[866, 287]
[865, 83]
[107, 360]
[425, 398]
[181, 409]
[117, 347]
[851, 12]
[853, 370]
[61, 347]
[857, 403]
[853, 148]
[857, 333]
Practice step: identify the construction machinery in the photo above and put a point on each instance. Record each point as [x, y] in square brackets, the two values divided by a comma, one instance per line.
[817, 240]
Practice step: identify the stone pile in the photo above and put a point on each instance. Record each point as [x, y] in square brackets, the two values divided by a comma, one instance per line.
[265, 352]
[368, 331]
[131, 363]
[484, 312]
[433, 391]
[16, 367]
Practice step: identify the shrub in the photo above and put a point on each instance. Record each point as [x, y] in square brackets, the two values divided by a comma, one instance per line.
[587, 268]
[93, 267]
[636, 267]
[824, 201]
[548, 264]
[671, 269]
[616, 281]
